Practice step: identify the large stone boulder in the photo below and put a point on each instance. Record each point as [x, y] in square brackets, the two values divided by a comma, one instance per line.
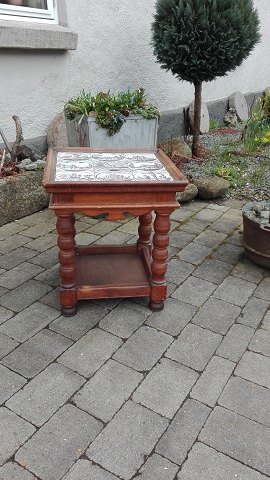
[211, 187]
[57, 132]
[205, 118]
[239, 103]
[188, 194]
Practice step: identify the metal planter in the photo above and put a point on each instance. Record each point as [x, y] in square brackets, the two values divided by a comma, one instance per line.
[256, 236]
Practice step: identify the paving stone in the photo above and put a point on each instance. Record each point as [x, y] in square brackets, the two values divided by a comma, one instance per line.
[227, 252]
[216, 206]
[209, 238]
[14, 431]
[13, 471]
[49, 276]
[179, 238]
[9, 229]
[43, 395]
[213, 270]
[107, 390]
[46, 259]
[43, 243]
[87, 317]
[178, 271]
[18, 275]
[173, 318]
[195, 205]
[125, 319]
[109, 303]
[254, 367]
[3, 291]
[212, 381]
[143, 349]
[194, 347]
[253, 312]
[10, 244]
[183, 431]
[29, 322]
[102, 228]
[205, 463]
[41, 229]
[234, 435]
[165, 387]
[247, 399]
[115, 238]
[10, 383]
[37, 217]
[18, 256]
[129, 227]
[22, 296]
[263, 290]
[235, 290]
[56, 446]
[194, 291]
[84, 238]
[194, 226]
[157, 468]
[181, 214]
[85, 470]
[261, 342]
[248, 271]
[6, 345]
[235, 238]
[235, 343]
[36, 353]
[5, 314]
[89, 353]
[195, 253]
[52, 299]
[235, 212]
[266, 321]
[134, 430]
[208, 214]
[216, 315]
[224, 225]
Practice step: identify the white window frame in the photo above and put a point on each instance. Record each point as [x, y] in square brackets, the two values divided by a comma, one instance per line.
[29, 14]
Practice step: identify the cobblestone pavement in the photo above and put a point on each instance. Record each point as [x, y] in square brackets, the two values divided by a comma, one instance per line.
[118, 392]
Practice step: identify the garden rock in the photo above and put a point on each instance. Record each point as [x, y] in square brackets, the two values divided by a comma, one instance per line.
[29, 151]
[230, 118]
[211, 187]
[205, 119]
[57, 132]
[238, 102]
[188, 194]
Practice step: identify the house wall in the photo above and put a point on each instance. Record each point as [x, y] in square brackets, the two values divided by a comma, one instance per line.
[113, 51]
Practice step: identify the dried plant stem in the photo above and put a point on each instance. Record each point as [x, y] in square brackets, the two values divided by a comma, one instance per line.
[18, 140]
[3, 160]
[5, 140]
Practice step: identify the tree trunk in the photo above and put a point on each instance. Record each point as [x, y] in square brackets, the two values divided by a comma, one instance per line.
[197, 118]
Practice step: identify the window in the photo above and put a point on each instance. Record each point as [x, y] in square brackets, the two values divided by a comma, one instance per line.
[44, 11]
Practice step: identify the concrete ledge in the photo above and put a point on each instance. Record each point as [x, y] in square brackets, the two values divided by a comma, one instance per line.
[36, 36]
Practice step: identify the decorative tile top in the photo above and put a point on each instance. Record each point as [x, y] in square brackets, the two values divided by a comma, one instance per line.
[110, 167]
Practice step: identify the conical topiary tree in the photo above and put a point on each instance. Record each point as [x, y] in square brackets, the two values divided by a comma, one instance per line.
[199, 40]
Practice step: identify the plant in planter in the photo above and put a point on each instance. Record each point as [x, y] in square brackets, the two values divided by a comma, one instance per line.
[124, 119]
[256, 232]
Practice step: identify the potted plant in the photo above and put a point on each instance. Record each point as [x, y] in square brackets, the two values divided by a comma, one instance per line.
[122, 120]
[256, 232]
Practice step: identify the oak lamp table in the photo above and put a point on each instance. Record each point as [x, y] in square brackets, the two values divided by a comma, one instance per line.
[112, 183]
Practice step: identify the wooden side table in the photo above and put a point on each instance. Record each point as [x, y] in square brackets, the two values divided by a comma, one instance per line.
[112, 183]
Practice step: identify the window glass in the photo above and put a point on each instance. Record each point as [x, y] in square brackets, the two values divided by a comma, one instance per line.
[28, 9]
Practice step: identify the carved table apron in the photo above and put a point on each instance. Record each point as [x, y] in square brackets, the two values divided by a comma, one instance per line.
[112, 183]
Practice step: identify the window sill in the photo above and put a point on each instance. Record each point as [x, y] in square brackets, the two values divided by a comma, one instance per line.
[36, 36]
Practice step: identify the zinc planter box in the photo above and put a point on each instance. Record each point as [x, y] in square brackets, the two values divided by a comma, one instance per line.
[136, 132]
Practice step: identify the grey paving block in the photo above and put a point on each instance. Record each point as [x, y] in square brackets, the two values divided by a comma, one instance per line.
[235, 343]
[52, 299]
[30, 321]
[134, 430]
[9, 229]
[180, 238]
[253, 312]
[217, 315]
[108, 303]
[3, 291]
[248, 271]
[49, 276]
[14, 258]
[194, 226]
[39, 230]
[89, 353]
[205, 463]
[10, 383]
[36, 353]
[165, 387]
[87, 317]
[227, 252]
[125, 319]
[84, 238]
[11, 243]
[18, 275]
[235, 238]
[115, 238]
[6, 345]
[212, 381]
[14, 431]
[181, 214]
[128, 227]
[173, 318]
[194, 347]
[224, 225]
[266, 321]
[194, 291]
[157, 468]
[22, 296]
[104, 227]
[211, 239]
[208, 214]
[261, 342]
[46, 259]
[13, 471]
[195, 253]
[43, 395]
[213, 270]
[183, 431]
[107, 390]
[43, 243]
[85, 470]
[143, 349]
[263, 290]
[254, 367]
[178, 271]
[56, 446]
[234, 435]
[5, 314]
[235, 290]
[220, 208]
[247, 399]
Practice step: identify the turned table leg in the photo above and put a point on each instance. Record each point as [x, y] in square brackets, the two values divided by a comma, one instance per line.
[67, 271]
[144, 230]
[159, 262]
